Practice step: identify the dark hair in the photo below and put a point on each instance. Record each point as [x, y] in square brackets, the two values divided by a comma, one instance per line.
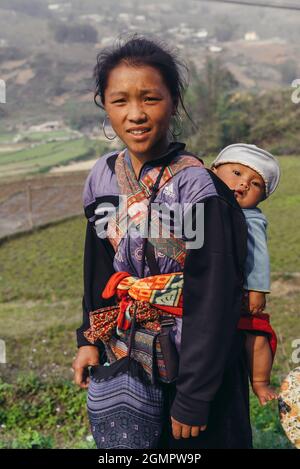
[138, 50]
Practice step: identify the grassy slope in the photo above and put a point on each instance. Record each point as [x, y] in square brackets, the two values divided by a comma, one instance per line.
[42, 157]
[40, 298]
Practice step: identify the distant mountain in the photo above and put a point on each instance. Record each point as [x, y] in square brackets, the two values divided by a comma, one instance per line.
[48, 50]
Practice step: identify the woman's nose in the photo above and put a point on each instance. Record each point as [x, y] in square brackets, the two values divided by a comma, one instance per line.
[136, 114]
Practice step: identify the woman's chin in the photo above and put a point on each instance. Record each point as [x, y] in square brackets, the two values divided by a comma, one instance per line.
[145, 146]
[139, 147]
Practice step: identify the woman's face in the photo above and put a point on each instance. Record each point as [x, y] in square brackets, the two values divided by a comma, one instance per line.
[139, 106]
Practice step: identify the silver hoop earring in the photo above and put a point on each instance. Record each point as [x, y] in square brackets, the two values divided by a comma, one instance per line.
[104, 130]
[177, 125]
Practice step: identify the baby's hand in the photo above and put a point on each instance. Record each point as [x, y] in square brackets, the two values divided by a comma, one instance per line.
[257, 301]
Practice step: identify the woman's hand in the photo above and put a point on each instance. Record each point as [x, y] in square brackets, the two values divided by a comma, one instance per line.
[88, 355]
[180, 430]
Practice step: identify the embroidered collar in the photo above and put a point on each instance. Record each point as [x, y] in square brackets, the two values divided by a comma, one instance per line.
[173, 148]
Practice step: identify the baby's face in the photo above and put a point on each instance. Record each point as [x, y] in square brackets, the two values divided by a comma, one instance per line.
[247, 184]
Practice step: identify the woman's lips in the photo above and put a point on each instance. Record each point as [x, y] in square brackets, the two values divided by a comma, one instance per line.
[139, 134]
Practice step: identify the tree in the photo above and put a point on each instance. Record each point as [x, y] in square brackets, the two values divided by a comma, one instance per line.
[209, 88]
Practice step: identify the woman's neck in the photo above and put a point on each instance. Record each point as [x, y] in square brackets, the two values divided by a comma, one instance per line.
[139, 159]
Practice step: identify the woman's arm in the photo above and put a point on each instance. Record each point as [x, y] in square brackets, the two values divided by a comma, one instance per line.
[212, 303]
[98, 267]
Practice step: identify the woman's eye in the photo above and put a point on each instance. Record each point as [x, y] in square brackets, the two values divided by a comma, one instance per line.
[236, 172]
[256, 184]
[151, 98]
[118, 101]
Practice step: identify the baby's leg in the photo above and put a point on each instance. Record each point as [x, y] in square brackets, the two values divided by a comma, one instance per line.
[260, 364]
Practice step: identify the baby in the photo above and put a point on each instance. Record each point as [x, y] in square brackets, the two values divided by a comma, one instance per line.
[253, 174]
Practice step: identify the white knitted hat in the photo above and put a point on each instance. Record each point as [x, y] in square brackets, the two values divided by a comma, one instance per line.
[255, 158]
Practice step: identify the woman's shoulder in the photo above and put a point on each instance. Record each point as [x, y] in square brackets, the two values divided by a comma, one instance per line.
[195, 181]
[99, 176]
[103, 162]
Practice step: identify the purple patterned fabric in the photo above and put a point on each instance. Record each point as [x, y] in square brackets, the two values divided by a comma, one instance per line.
[188, 186]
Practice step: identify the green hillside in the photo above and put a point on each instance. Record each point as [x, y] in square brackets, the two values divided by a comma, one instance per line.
[42, 157]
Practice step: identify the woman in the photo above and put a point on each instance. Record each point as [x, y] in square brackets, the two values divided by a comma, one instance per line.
[140, 87]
